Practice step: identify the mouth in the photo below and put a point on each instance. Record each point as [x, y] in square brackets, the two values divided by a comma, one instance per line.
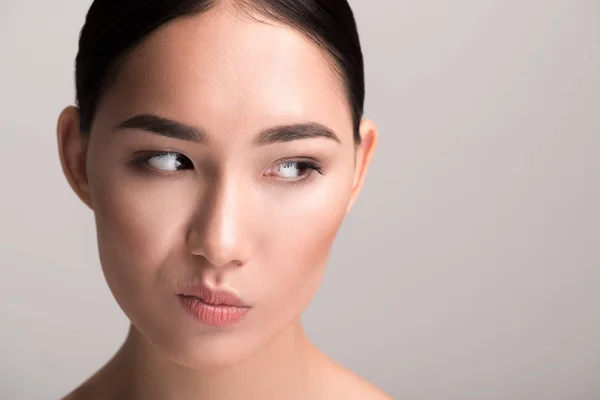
[213, 307]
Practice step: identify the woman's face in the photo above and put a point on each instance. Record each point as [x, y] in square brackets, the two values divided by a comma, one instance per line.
[230, 198]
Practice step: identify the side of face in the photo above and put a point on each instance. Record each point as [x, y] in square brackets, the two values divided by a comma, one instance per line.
[247, 218]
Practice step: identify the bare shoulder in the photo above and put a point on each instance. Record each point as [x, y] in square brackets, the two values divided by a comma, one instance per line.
[352, 387]
[340, 383]
[97, 387]
[92, 391]
[81, 393]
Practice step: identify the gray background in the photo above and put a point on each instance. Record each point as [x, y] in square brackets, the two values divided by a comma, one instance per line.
[476, 236]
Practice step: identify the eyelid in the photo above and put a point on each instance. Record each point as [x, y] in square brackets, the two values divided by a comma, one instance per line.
[159, 152]
[313, 166]
[140, 160]
[299, 160]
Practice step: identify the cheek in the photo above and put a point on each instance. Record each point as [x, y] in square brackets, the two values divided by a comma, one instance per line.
[137, 227]
[301, 246]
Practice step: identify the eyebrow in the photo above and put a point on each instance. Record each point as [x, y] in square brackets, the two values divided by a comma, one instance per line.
[177, 130]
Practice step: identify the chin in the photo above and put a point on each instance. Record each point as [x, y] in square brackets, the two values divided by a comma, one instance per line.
[212, 352]
[208, 350]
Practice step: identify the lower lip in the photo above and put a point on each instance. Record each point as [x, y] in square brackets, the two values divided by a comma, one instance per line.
[215, 315]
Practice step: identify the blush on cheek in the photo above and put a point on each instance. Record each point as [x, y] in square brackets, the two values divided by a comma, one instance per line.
[131, 241]
[141, 218]
[302, 255]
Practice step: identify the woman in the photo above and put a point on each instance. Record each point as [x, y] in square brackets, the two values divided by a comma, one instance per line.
[219, 144]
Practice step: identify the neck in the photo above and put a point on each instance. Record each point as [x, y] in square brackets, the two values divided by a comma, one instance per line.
[281, 368]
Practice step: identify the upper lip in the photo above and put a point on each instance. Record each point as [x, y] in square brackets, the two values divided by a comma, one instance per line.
[217, 297]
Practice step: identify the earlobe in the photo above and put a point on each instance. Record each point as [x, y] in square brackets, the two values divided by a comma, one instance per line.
[369, 139]
[72, 152]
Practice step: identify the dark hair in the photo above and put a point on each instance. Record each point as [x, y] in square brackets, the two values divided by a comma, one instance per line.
[115, 27]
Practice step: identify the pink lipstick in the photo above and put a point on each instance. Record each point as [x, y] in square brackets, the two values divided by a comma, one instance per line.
[213, 307]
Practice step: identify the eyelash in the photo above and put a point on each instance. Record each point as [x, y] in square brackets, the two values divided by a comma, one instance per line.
[143, 159]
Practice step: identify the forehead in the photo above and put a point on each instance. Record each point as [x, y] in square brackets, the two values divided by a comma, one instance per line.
[228, 73]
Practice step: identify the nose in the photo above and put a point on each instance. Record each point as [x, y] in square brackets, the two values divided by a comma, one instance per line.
[217, 231]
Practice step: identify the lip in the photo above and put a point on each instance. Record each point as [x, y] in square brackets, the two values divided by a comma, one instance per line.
[213, 307]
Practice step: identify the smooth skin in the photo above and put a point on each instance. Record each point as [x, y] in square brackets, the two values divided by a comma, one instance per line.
[221, 208]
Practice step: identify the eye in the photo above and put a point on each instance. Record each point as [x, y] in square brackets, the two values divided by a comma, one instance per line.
[296, 170]
[166, 161]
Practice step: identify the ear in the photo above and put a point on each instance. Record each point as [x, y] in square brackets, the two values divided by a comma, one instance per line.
[72, 149]
[369, 138]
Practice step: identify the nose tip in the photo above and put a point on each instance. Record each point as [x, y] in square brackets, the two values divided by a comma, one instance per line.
[217, 231]
[217, 248]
